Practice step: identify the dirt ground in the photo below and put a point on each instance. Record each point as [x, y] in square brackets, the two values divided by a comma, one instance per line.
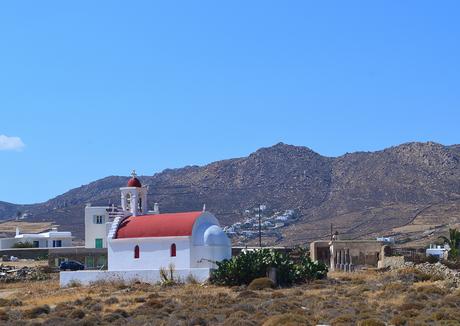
[25, 263]
[404, 297]
[24, 227]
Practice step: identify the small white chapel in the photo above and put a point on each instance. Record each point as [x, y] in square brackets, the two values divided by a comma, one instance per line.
[141, 242]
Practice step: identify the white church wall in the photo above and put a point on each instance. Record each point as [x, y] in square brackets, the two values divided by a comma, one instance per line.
[148, 276]
[154, 253]
[205, 220]
[205, 256]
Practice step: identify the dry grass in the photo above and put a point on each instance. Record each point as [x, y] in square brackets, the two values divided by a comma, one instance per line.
[366, 298]
[24, 227]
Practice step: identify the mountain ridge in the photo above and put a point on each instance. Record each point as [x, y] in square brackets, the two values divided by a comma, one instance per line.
[345, 190]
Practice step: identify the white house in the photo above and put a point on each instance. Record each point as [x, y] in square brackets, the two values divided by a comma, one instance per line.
[438, 251]
[49, 239]
[97, 224]
[141, 242]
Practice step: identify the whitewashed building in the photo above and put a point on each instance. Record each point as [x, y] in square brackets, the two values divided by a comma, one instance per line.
[97, 224]
[441, 252]
[141, 242]
[49, 239]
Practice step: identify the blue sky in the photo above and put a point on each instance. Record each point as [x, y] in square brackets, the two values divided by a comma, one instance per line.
[97, 88]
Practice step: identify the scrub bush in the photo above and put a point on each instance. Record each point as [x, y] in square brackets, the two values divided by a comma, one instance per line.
[261, 283]
[247, 266]
[287, 319]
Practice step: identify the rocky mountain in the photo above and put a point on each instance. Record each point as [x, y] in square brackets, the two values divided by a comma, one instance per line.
[362, 194]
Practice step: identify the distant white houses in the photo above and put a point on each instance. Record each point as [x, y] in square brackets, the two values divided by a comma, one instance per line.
[49, 239]
[388, 240]
[270, 224]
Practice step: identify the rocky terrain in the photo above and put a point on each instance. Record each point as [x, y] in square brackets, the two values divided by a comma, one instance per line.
[406, 296]
[411, 191]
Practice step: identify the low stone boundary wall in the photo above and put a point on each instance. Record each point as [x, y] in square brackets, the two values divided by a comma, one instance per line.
[147, 276]
[392, 262]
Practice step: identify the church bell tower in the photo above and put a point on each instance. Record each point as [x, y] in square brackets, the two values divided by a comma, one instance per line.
[134, 196]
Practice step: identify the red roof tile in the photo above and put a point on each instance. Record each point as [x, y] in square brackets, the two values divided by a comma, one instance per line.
[159, 225]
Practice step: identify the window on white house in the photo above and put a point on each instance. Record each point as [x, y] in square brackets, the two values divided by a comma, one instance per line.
[99, 219]
[57, 243]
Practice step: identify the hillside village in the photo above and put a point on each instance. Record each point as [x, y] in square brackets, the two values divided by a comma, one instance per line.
[270, 226]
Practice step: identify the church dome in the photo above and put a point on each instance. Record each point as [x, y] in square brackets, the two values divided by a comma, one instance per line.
[215, 236]
[134, 182]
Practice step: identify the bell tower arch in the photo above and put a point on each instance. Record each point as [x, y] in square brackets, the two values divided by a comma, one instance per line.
[134, 196]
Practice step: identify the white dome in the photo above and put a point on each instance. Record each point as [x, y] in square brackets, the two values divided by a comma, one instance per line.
[215, 236]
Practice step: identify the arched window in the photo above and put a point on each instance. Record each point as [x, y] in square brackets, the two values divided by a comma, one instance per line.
[139, 204]
[136, 252]
[128, 201]
[173, 250]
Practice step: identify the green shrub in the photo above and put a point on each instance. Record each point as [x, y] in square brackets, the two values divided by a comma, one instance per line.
[411, 306]
[37, 311]
[432, 259]
[286, 319]
[20, 244]
[261, 283]
[167, 276]
[247, 266]
[77, 313]
[344, 320]
[111, 300]
[452, 264]
[10, 302]
[398, 320]
[74, 284]
[371, 322]
[3, 315]
[191, 279]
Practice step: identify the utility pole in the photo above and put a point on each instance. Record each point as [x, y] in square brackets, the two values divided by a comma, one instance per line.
[331, 232]
[260, 226]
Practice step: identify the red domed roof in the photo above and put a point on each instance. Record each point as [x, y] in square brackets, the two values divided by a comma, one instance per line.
[134, 182]
[158, 225]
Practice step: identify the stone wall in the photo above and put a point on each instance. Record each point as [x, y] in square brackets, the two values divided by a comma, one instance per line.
[392, 262]
[347, 255]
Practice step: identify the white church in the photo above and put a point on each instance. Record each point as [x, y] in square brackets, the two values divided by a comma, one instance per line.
[141, 242]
